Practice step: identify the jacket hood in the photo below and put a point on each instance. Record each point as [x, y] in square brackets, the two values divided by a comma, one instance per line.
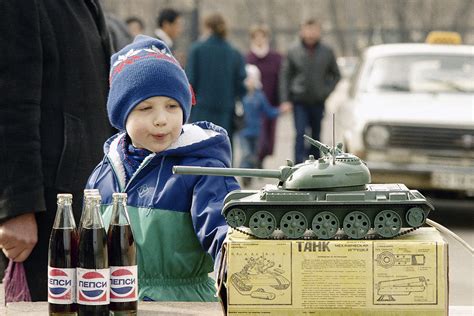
[199, 140]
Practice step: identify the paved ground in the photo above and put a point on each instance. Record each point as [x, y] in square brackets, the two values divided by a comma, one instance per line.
[2, 301]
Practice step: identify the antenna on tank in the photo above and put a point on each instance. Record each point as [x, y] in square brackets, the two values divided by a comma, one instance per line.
[333, 139]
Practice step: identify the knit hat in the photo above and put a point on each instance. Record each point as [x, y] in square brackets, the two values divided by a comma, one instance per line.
[141, 70]
[253, 76]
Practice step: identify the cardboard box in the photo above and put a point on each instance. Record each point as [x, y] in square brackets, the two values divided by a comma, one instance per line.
[403, 276]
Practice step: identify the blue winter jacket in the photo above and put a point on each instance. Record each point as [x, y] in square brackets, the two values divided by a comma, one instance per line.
[176, 219]
[255, 105]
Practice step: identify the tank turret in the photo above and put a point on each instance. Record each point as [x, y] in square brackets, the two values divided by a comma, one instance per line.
[320, 198]
[335, 170]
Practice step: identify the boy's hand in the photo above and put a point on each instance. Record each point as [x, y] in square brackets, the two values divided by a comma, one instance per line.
[286, 107]
[18, 236]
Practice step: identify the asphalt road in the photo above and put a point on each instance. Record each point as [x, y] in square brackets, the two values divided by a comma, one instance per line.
[455, 215]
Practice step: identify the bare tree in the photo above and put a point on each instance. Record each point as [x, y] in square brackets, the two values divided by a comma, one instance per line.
[461, 17]
[400, 15]
[336, 27]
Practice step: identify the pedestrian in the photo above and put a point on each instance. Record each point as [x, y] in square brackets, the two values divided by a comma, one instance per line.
[118, 32]
[169, 26]
[135, 25]
[176, 219]
[53, 87]
[216, 71]
[268, 61]
[308, 76]
[255, 105]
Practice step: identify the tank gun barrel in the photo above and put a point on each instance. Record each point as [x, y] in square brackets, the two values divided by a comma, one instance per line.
[241, 172]
[322, 147]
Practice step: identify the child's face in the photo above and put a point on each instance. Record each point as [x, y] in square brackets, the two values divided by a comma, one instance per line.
[250, 84]
[155, 123]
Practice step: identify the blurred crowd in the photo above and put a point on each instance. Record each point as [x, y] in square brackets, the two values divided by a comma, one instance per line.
[53, 116]
[244, 92]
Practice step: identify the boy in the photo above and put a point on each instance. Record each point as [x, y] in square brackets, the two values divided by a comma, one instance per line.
[255, 106]
[176, 219]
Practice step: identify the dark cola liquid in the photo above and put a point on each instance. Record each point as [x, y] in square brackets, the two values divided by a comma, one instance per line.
[63, 244]
[93, 255]
[122, 252]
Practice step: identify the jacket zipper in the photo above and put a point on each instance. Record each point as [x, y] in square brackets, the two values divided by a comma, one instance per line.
[138, 171]
[123, 190]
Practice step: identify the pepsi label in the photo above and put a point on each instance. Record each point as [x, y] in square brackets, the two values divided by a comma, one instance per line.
[123, 284]
[93, 286]
[61, 285]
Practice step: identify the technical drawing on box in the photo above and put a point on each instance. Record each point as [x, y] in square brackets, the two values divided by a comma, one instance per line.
[264, 277]
[388, 259]
[401, 287]
[401, 277]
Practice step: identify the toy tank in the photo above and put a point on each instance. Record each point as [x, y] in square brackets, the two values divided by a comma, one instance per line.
[320, 198]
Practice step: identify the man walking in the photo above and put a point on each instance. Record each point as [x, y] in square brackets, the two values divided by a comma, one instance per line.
[308, 76]
[169, 25]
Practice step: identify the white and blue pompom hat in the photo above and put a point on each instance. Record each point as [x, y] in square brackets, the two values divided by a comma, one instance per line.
[141, 70]
[253, 75]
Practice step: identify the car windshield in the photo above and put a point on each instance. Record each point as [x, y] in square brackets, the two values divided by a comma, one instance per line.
[422, 73]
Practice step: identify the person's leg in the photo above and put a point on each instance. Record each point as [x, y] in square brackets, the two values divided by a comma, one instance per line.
[301, 121]
[247, 145]
[315, 118]
[246, 150]
[266, 140]
[253, 152]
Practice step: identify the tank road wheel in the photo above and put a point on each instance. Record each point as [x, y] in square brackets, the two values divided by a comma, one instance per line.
[387, 223]
[236, 217]
[262, 224]
[293, 224]
[356, 224]
[325, 225]
[415, 217]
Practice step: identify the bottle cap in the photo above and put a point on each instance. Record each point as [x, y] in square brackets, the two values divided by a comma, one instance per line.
[119, 195]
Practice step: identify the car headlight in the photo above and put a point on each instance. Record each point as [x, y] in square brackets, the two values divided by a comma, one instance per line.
[377, 136]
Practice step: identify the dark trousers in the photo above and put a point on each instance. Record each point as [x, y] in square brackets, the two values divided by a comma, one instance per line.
[307, 121]
[248, 146]
[266, 141]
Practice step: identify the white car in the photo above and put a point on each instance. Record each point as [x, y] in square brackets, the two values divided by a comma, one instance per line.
[410, 115]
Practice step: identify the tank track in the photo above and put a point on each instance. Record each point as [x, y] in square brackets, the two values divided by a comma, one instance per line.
[337, 237]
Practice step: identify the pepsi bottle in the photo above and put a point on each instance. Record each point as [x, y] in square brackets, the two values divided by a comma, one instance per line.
[87, 192]
[93, 277]
[122, 260]
[62, 260]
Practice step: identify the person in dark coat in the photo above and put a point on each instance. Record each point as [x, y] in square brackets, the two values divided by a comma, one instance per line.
[308, 76]
[118, 32]
[268, 62]
[135, 26]
[216, 71]
[170, 26]
[53, 120]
